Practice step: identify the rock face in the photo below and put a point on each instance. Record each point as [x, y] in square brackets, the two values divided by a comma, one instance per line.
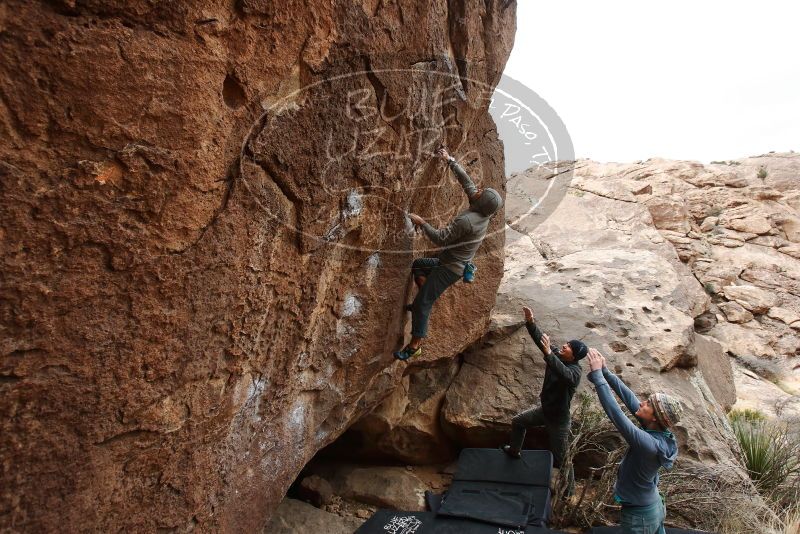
[597, 271]
[733, 227]
[637, 258]
[406, 425]
[204, 255]
[646, 262]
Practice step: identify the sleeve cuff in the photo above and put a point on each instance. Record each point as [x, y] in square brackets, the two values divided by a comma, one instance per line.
[596, 377]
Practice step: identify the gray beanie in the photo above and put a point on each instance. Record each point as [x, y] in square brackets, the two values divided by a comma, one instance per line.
[488, 203]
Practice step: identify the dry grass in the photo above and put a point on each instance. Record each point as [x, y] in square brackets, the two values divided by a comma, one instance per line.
[714, 498]
[593, 503]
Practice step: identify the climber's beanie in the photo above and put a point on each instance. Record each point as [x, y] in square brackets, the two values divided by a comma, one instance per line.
[579, 349]
[488, 203]
[666, 408]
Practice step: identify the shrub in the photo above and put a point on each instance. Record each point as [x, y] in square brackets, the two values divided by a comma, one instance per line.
[746, 415]
[762, 173]
[771, 456]
[791, 522]
[591, 434]
[714, 498]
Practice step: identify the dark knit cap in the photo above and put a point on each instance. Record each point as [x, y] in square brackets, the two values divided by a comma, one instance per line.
[579, 349]
[489, 202]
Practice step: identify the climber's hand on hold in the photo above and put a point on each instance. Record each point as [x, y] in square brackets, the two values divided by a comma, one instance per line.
[416, 219]
[528, 314]
[443, 153]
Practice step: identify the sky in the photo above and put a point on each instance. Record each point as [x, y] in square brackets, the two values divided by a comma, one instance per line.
[702, 80]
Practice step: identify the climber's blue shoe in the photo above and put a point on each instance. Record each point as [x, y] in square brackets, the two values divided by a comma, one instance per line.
[407, 353]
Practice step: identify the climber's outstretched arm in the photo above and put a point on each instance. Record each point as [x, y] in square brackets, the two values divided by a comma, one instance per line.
[635, 436]
[463, 178]
[443, 237]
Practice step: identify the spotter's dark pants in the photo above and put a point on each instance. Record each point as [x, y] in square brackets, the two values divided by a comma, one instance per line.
[557, 436]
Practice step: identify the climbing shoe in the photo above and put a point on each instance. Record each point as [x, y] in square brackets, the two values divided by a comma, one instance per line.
[514, 453]
[469, 272]
[407, 352]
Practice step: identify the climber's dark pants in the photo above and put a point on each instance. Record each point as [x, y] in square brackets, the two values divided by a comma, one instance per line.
[557, 437]
[437, 279]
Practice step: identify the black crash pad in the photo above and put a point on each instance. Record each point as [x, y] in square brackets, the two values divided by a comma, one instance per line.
[492, 487]
[394, 522]
[491, 493]
[493, 465]
[512, 505]
[433, 501]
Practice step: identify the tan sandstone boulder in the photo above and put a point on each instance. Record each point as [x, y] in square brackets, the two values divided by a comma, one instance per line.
[385, 487]
[293, 516]
[735, 312]
[752, 298]
[595, 271]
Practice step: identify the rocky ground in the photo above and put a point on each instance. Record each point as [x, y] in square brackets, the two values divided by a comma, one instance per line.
[686, 276]
[344, 495]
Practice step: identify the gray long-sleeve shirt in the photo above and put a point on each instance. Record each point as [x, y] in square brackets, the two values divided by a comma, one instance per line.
[463, 236]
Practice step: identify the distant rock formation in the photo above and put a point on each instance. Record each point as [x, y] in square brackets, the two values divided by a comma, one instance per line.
[204, 261]
[735, 226]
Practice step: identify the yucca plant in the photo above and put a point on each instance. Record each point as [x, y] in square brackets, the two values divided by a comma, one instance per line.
[747, 415]
[771, 454]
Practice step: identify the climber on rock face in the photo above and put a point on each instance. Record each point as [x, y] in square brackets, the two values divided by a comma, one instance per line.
[561, 377]
[650, 447]
[460, 240]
